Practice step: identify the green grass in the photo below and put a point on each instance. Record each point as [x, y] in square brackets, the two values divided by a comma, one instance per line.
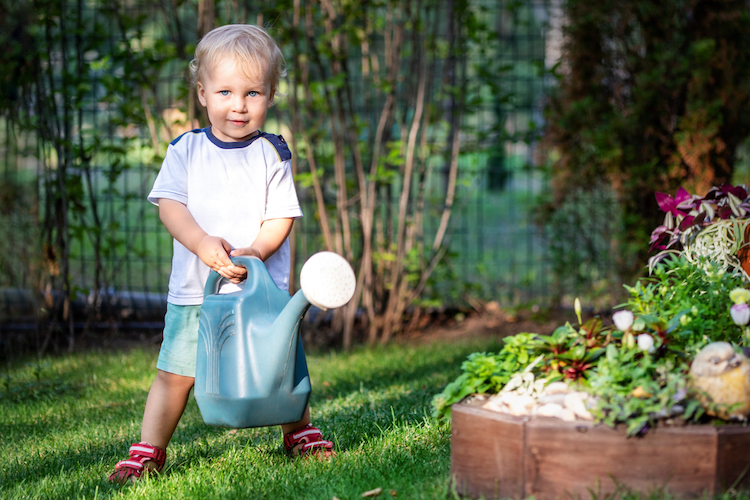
[66, 421]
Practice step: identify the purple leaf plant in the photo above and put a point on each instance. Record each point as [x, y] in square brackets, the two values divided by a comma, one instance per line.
[686, 212]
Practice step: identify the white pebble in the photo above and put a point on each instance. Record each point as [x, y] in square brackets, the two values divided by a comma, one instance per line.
[567, 415]
[495, 403]
[574, 402]
[550, 410]
[520, 405]
[552, 398]
[556, 388]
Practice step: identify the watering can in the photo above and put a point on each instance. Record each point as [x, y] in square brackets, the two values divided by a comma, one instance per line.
[251, 369]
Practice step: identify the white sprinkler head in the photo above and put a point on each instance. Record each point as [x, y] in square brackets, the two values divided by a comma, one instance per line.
[327, 280]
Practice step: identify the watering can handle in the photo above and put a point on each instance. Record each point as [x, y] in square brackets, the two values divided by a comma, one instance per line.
[253, 265]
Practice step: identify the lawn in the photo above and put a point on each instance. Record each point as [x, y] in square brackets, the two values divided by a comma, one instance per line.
[66, 421]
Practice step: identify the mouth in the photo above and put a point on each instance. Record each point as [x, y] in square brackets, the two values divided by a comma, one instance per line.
[238, 123]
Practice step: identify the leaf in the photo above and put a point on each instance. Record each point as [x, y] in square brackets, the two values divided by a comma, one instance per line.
[675, 321]
[592, 327]
[665, 201]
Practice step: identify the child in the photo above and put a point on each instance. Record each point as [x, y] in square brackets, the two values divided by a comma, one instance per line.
[222, 191]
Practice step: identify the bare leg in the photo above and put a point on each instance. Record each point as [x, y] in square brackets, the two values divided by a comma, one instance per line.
[164, 406]
[287, 428]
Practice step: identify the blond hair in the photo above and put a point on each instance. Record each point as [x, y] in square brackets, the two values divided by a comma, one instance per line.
[250, 46]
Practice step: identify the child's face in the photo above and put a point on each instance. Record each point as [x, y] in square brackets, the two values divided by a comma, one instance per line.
[237, 104]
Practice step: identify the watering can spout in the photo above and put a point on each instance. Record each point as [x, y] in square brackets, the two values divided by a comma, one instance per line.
[327, 281]
[296, 307]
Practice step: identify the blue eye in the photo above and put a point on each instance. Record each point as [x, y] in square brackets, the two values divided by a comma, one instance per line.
[224, 92]
[252, 93]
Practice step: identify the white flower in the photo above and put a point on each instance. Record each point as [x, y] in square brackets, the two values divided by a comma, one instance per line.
[645, 342]
[623, 320]
[740, 314]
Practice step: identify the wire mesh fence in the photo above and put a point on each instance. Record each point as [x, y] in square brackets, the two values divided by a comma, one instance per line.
[497, 249]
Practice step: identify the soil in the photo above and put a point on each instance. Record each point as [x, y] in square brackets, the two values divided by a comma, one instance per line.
[492, 323]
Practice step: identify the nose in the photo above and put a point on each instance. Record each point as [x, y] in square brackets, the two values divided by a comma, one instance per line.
[238, 103]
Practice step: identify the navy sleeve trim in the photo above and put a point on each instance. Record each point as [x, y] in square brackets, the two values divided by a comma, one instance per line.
[280, 145]
[194, 131]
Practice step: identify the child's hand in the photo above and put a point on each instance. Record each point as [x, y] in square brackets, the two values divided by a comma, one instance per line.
[250, 251]
[214, 252]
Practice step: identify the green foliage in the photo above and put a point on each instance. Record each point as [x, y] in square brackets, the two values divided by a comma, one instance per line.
[78, 81]
[683, 307]
[680, 309]
[638, 388]
[690, 304]
[584, 266]
[569, 352]
[655, 94]
[483, 372]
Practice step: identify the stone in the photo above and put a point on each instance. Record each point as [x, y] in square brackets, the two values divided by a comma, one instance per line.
[574, 402]
[556, 388]
[552, 398]
[550, 410]
[567, 415]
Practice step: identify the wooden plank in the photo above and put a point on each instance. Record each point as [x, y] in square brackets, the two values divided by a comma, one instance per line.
[500, 456]
[574, 459]
[487, 453]
[733, 457]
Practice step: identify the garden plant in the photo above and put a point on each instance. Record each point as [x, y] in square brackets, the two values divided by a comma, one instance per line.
[650, 95]
[636, 369]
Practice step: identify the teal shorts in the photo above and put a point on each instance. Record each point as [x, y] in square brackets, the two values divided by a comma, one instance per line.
[179, 349]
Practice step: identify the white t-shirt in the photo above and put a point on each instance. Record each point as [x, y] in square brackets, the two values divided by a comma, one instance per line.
[230, 188]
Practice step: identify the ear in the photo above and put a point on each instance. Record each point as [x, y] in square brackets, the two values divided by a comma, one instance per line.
[201, 93]
[270, 98]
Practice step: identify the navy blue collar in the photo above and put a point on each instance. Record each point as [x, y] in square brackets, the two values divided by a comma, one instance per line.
[230, 145]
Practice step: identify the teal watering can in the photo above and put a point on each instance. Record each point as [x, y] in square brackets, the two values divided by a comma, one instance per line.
[251, 369]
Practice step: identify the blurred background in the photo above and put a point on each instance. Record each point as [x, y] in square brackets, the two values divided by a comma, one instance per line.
[458, 153]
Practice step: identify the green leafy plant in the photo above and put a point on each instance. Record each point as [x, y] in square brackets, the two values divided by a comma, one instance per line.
[636, 370]
[639, 389]
[687, 302]
[571, 353]
[483, 372]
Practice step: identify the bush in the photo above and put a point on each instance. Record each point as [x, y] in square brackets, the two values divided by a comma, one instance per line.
[652, 95]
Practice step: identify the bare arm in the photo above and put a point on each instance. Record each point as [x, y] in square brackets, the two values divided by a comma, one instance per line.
[272, 234]
[212, 250]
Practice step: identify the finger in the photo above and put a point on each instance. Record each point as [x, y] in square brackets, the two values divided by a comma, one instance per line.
[223, 261]
[233, 272]
[226, 245]
[237, 270]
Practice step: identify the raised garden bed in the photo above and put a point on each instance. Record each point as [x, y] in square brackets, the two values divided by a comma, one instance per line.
[496, 455]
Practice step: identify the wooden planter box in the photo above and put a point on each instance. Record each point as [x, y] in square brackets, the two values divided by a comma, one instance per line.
[501, 456]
